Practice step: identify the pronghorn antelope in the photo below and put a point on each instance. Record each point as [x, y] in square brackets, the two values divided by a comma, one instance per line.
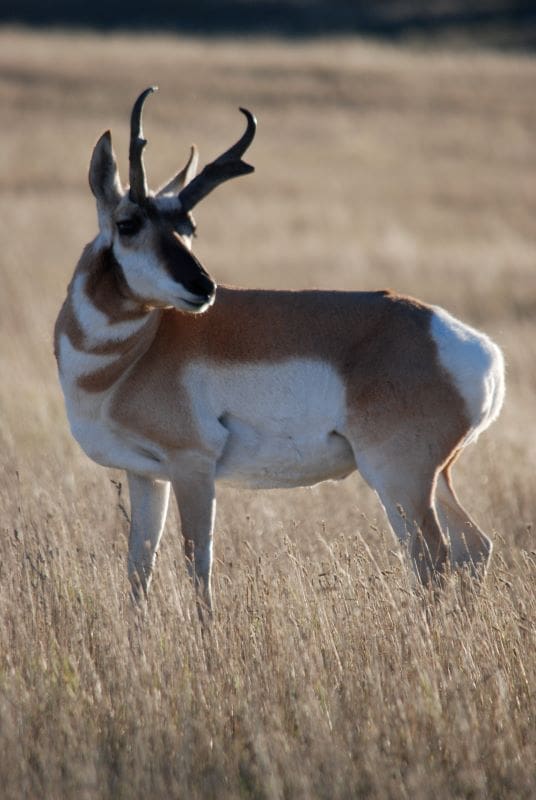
[183, 384]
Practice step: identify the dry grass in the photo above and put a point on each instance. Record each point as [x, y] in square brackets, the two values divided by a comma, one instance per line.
[326, 674]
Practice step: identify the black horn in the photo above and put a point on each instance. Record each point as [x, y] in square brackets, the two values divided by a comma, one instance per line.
[228, 165]
[138, 183]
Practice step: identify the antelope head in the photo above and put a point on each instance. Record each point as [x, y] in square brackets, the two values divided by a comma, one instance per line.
[150, 234]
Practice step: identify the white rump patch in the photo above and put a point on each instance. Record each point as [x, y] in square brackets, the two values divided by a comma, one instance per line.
[476, 366]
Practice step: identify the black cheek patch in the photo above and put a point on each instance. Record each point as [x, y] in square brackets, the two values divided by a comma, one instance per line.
[184, 267]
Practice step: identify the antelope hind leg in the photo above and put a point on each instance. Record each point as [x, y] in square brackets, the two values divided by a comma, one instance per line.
[470, 547]
[405, 483]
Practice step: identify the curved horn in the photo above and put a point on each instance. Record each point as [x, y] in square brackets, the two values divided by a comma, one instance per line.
[228, 165]
[138, 183]
[238, 149]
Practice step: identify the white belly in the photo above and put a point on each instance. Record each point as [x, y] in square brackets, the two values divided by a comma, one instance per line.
[256, 459]
[269, 425]
[283, 421]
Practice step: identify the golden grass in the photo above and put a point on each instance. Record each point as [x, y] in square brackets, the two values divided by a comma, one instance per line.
[326, 674]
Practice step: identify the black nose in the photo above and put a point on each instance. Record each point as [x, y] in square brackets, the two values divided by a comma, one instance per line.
[201, 285]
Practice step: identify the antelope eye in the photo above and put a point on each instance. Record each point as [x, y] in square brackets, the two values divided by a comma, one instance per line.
[129, 227]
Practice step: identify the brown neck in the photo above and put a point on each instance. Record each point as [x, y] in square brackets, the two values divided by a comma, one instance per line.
[108, 290]
[99, 290]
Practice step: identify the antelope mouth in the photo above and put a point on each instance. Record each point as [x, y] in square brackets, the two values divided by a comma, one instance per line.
[196, 305]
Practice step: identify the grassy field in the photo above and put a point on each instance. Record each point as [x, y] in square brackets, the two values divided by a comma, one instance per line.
[326, 672]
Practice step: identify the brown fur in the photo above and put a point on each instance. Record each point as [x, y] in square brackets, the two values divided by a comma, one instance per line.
[104, 288]
[400, 402]
[378, 341]
[107, 288]
[67, 323]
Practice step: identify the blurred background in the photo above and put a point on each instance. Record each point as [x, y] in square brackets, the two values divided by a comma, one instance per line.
[507, 23]
[395, 148]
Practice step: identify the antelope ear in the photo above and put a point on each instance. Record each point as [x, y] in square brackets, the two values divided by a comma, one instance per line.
[103, 174]
[183, 177]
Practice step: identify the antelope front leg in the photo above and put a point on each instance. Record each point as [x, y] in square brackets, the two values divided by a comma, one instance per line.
[196, 499]
[148, 509]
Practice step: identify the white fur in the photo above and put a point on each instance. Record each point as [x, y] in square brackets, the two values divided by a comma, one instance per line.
[100, 438]
[263, 424]
[476, 366]
[106, 230]
[95, 324]
[267, 425]
[76, 363]
[282, 421]
[110, 446]
[147, 277]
